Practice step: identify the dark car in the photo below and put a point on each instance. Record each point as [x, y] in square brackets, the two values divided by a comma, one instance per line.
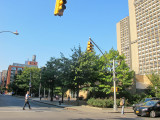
[150, 108]
[143, 101]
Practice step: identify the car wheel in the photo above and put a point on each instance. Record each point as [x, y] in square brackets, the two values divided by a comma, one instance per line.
[152, 114]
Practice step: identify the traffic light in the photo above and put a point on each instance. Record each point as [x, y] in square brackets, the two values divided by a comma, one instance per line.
[90, 46]
[60, 7]
[112, 89]
[117, 89]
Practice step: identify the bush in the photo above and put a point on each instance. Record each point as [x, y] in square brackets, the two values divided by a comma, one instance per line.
[103, 103]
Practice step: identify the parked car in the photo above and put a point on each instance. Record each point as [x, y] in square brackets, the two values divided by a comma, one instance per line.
[150, 108]
[143, 101]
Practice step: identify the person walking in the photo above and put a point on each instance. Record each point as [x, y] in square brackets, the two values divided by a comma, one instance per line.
[122, 103]
[27, 100]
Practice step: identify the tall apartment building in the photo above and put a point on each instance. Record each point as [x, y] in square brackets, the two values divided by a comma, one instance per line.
[16, 67]
[143, 38]
[123, 39]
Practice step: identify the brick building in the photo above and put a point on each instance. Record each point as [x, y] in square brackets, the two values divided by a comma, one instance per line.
[16, 67]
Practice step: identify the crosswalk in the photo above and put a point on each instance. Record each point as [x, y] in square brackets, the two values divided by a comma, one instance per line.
[34, 109]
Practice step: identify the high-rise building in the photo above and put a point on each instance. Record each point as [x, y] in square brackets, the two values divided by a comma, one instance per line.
[143, 36]
[123, 39]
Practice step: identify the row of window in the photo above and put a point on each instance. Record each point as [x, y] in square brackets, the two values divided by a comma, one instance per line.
[149, 24]
[149, 13]
[147, 20]
[140, 4]
[148, 17]
[14, 69]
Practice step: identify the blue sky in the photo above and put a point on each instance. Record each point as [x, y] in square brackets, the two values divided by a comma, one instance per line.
[45, 35]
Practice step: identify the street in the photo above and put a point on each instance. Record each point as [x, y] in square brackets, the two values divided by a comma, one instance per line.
[11, 109]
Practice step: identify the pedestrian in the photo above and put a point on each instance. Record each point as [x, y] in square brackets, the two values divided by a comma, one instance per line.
[40, 96]
[68, 98]
[122, 103]
[27, 101]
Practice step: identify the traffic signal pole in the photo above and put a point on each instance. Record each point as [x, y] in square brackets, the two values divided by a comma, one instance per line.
[114, 76]
[114, 83]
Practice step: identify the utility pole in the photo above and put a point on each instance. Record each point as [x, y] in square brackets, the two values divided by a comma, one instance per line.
[114, 82]
[30, 84]
[44, 93]
[40, 87]
[114, 76]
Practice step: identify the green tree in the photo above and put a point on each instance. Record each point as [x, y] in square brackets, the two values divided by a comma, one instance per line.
[22, 81]
[124, 75]
[50, 74]
[64, 81]
[83, 70]
[155, 84]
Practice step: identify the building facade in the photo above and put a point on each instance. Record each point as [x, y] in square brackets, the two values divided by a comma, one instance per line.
[3, 78]
[123, 39]
[16, 68]
[143, 40]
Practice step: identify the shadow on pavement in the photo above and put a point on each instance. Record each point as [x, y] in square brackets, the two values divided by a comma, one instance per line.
[86, 119]
[12, 101]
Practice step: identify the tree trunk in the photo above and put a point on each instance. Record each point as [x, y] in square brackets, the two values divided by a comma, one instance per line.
[52, 93]
[77, 94]
[62, 96]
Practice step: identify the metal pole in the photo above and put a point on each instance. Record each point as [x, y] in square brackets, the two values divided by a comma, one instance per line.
[39, 91]
[156, 90]
[49, 94]
[40, 87]
[114, 82]
[44, 93]
[98, 48]
[16, 33]
[30, 83]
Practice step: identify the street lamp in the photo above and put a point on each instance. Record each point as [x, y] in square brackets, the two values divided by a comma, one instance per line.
[16, 33]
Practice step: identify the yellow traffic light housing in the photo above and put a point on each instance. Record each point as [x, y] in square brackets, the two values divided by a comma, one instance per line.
[60, 7]
[112, 89]
[90, 46]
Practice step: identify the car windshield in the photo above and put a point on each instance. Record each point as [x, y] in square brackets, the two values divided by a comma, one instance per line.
[147, 99]
[150, 103]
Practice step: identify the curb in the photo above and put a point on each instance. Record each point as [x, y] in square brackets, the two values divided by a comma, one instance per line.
[104, 109]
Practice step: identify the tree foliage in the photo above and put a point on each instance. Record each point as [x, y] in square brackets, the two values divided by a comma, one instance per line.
[155, 84]
[21, 82]
[82, 71]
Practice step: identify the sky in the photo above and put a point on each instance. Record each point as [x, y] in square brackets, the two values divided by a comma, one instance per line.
[45, 35]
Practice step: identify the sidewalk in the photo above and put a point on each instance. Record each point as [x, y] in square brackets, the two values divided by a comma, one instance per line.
[82, 107]
[54, 102]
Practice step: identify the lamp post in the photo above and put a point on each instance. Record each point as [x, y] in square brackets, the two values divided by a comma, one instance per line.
[16, 33]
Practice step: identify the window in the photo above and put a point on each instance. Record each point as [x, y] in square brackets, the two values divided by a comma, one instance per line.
[13, 68]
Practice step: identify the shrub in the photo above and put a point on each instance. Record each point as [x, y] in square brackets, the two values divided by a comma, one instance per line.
[103, 102]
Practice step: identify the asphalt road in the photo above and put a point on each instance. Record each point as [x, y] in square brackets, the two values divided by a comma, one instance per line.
[11, 109]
